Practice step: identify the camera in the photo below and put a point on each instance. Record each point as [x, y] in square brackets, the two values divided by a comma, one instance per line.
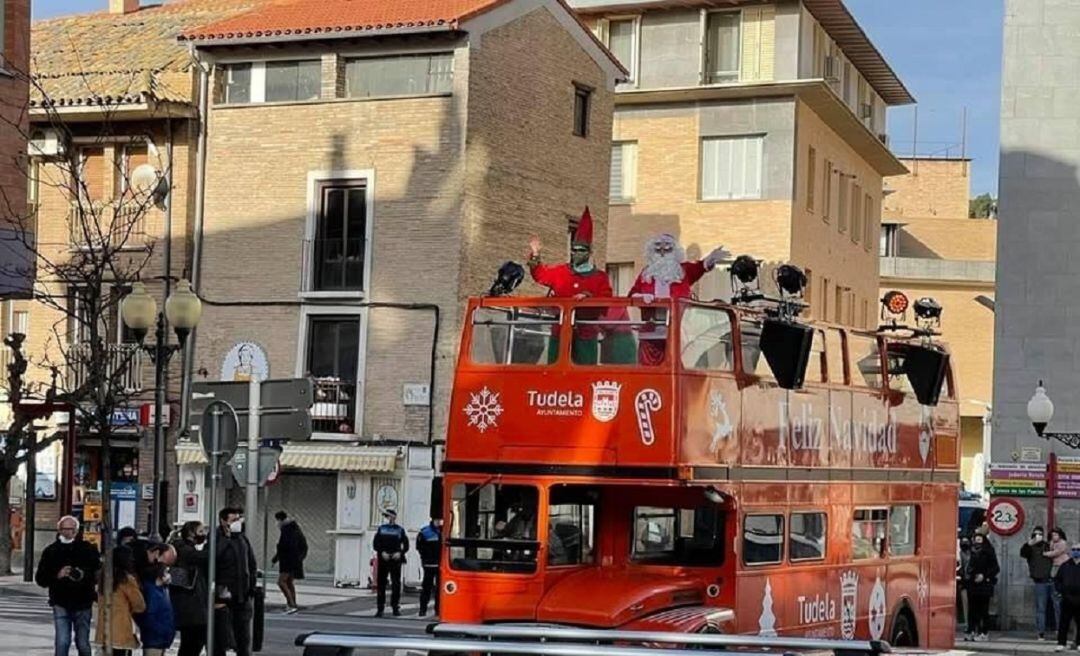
[76, 574]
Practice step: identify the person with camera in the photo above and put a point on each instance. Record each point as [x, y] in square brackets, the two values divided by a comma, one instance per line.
[187, 587]
[68, 568]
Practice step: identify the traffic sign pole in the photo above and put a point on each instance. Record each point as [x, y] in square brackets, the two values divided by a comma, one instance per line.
[251, 502]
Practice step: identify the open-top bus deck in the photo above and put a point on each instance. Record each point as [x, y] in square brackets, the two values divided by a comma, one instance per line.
[661, 466]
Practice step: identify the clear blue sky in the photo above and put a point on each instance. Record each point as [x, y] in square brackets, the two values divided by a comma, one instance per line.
[948, 53]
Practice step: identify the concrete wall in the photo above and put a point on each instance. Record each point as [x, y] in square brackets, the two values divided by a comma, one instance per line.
[788, 34]
[670, 48]
[1038, 286]
[947, 239]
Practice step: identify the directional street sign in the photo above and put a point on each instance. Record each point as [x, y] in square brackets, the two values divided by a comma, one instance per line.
[284, 406]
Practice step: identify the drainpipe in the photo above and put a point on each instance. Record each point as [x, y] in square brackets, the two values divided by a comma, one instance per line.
[197, 233]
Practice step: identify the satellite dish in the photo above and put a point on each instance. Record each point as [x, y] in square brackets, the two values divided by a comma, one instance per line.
[144, 179]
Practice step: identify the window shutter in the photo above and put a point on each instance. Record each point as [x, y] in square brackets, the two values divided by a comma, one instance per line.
[751, 43]
[616, 183]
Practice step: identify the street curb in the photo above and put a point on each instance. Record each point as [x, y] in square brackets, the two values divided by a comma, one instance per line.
[23, 591]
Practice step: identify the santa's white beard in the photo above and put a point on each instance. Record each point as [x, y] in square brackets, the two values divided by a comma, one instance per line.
[664, 269]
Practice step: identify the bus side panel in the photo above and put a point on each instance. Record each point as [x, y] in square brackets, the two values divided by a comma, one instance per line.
[839, 423]
[760, 441]
[710, 419]
[806, 432]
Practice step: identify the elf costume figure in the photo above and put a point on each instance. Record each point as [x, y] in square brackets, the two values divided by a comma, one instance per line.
[667, 274]
[577, 279]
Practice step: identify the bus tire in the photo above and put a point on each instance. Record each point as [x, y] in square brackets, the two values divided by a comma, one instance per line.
[904, 632]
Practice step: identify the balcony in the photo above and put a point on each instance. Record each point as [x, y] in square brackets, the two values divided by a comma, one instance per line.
[922, 268]
[334, 265]
[334, 410]
[123, 225]
[124, 364]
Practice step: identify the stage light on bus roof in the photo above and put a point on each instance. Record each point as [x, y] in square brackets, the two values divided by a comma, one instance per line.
[928, 309]
[895, 302]
[790, 279]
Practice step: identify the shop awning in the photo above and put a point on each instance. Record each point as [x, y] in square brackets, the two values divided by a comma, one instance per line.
[313, 456]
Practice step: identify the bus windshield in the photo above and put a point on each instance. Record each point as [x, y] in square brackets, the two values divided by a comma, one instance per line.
[678, 536]
[494, 528]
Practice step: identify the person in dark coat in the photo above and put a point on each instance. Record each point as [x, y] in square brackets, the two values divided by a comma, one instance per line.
[291, 551]
[68, 568]
[157, 624]
[428, 545]
[390, 545]
[234, 587]
[1039, 565]
[983, 570]
[1067, 582]
[188, 590]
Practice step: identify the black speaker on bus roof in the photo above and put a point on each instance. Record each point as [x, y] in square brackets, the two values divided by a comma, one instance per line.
[786, 345]
[435, 510]
[926, 367]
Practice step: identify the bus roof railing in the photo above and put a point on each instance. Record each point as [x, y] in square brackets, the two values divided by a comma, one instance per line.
[339, 644]
[569, 633]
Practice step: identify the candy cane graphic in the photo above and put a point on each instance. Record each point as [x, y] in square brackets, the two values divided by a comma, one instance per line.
[647, 402]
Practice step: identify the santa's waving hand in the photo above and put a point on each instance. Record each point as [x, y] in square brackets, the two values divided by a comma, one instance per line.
[667, 274]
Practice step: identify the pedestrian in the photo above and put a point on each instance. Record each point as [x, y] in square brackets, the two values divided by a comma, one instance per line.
[982, 572]
[391, 543]
[157, 626]
[1039, 566]
[963, 607]
[188, 587]
[1058, 553]
[429, 545]
[234, 587]
[291, 551]
[125, 602]
[126, 535]
[1067, 582]
[68, 568]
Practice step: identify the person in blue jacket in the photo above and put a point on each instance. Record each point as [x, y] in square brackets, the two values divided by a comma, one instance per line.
[428, 544]
[157, 626]
[390, 544]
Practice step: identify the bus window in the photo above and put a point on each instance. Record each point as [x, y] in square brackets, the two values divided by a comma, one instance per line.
[807, 536]
[620, 335]
[706, 339]
[763, 539]
[494, 528]
[868, 533]
[678, 536]
[515, 335]
[753, 363]
[572, 525]
[815, 366]
[834, 355]
[903, 525]
[898, 380]
[865, 361]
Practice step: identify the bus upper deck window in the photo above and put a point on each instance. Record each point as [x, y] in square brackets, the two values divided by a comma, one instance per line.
[865, 361]
[515, 335]
[706, 339]
[753, 361]
[898, 380]
[619, 335]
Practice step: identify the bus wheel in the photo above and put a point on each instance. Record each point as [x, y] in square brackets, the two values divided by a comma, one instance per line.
[709, 629]
[903, 633]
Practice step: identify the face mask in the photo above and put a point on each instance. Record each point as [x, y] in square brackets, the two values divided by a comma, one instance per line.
[66, 540]
[1037, 537]
[965, 547]
[236, 526]
[200, 538]
[1076, 553]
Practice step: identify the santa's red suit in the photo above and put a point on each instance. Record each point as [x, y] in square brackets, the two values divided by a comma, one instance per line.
[692, 272]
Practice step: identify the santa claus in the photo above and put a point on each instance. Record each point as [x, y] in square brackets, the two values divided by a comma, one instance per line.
[667, 274]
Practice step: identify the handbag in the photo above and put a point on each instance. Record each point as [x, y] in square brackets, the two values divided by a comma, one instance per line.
[183, 578]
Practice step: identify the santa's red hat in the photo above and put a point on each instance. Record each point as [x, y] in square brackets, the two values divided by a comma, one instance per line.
[583, 234]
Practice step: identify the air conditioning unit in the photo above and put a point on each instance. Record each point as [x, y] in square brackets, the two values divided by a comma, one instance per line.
[832, 68]
[866, 110]
[46, 143]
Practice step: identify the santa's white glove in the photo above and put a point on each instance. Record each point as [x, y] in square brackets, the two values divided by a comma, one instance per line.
[719, 254]
[645, 298]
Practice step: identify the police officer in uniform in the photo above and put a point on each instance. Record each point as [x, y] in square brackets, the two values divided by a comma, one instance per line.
[428, 543]
[390, 546]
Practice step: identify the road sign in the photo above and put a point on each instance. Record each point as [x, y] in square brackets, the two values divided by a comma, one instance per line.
[284, 406]
[268, 462]
[1017, 479]
[228, 430]
[1005, 516]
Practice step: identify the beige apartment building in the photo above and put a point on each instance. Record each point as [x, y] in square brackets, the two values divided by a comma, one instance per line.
[760, 126]
[365, 167]
[929, 247]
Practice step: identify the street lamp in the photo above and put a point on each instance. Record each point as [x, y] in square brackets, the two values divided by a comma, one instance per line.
[1040, 411]
[139, 311]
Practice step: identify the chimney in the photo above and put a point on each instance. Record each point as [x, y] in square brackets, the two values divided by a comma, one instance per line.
[123, 6]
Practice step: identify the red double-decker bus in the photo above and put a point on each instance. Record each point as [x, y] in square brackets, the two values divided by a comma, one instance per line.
[763, 476]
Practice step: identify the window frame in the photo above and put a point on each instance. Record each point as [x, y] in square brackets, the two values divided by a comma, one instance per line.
[625, 173]
[880, 553]
[593, 523]
[811, 178]
[257, 81]
[825, 536]
[347, 57]
[826, 200]
[633, 66]
[782, 533]
[307, 312]
[706, 74]
[583, 99]
[719, 553]
[759, 139]
[316, 180]
[914, 524]
[856, 214]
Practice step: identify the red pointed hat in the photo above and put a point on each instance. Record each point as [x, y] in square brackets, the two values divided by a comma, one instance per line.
[583, 234]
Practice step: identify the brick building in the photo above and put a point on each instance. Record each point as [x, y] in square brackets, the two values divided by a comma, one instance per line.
[758, 126]
[929, 247]
[367, 161]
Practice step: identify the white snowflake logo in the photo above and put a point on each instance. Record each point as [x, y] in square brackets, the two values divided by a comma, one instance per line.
[923, 588]
[484, 409]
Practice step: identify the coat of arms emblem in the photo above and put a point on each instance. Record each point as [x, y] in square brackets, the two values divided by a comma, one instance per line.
[605, 400]
[849, 593]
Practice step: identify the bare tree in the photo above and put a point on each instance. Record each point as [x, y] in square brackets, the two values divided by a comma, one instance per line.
[80, 272]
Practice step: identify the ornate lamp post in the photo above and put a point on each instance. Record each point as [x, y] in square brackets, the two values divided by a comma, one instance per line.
[1040, 411]
[139, 311]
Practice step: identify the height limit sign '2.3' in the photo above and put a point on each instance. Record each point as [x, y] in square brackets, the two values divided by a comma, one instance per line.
[1005, 516]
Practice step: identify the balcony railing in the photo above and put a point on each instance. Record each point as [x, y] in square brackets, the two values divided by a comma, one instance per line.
[334, 410]
[334, 264]
[121, 225]
[124, 364]
[923, 268]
